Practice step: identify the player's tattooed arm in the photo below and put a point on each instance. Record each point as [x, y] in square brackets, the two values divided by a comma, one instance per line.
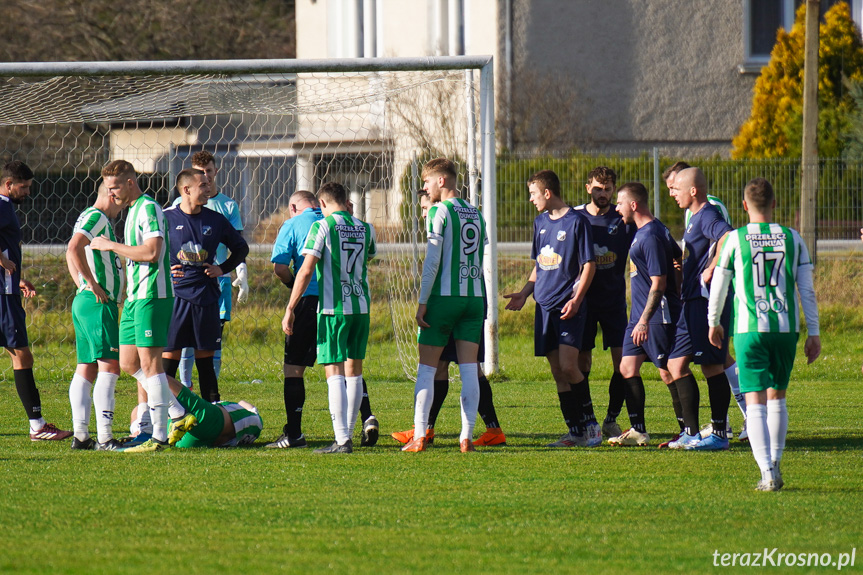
[654, 299]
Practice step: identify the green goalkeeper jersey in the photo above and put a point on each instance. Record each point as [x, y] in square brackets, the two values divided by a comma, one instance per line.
[105, 265]
[343, 244]
[147, 280]
[766, 260]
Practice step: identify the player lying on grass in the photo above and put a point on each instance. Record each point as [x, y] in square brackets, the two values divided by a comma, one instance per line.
[222, 424]
[765, 261]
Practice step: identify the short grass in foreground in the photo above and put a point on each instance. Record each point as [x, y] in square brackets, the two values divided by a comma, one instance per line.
[517, 509]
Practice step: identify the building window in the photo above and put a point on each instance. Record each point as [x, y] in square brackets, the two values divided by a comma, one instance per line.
[763, 18]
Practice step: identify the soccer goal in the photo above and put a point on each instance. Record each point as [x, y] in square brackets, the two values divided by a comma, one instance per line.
[275, 127]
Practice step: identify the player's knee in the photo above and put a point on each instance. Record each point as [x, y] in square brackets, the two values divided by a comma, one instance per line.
[571, 373]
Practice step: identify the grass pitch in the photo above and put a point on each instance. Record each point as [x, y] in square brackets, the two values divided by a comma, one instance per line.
[522, 508]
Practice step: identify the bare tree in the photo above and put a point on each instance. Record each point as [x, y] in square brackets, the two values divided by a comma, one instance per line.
[81, 30]
[545, 113]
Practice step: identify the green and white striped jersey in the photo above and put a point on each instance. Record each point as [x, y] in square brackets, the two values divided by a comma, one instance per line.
[106, 266]
[247, 424]
[343, 244]
[145, 280]
[766, 261]
[719, 206]
[456, 242]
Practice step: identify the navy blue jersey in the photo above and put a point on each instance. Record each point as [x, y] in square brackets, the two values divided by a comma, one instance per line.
[10, 244]
[611, 241]
[652, 254]
[705, 229]
[194, 239]
[560, 248]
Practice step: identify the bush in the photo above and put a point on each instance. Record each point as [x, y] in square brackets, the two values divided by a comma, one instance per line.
[774, 130]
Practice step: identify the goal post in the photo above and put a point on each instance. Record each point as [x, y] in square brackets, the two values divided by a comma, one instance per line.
[275, 127]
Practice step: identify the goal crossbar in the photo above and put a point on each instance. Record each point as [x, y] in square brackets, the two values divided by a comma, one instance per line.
[355, 65]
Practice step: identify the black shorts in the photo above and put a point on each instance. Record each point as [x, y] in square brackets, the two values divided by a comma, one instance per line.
[301, 348]
[550, 332]
[612, 320]
[13, 322]
[449, 353]
[692, 334]
[195, 326]
[657, 348]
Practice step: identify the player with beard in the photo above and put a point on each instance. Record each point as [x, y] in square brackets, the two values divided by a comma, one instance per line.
[606, 298]
[655, 286]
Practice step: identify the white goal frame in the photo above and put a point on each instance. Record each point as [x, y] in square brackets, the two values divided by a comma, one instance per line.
[484, 64]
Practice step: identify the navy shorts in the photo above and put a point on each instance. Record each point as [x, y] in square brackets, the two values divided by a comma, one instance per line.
[612, 320]
[13, 322]
[301, 348]
[692, 334]
[657, 348]
[195, 326]
[550, 332]
[449, 353]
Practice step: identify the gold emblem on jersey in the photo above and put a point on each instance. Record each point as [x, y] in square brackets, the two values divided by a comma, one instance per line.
[548, 259]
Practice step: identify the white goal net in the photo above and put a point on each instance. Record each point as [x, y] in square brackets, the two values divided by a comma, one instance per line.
[287, 128]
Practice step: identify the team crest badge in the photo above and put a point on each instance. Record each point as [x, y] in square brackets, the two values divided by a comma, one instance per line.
[207, 230]
[612, 230]
[561, 235]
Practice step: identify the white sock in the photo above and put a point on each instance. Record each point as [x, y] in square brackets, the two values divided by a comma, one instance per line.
[423, 397]
[355, 397]
[103, 403]
[187, 360]
[79, 398]
[777, 423]
[159, 395]
[142, 423]
[175, 410]
[338, 399]
[469, 399]
[759, 436]
[37, 424]
[734, 382]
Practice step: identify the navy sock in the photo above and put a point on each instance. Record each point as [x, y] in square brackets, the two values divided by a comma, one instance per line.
[441, 389]
[295, 398]
[720, 397]
[486, 404]
[634, 387]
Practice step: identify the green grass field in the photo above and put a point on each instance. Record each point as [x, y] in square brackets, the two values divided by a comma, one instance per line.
[522, 508]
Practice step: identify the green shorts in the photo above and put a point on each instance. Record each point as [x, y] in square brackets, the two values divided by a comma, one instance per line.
[145, 322]
[342, 337]
[460, 316]
[764, 359]
[211, 420]
[97, 333]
